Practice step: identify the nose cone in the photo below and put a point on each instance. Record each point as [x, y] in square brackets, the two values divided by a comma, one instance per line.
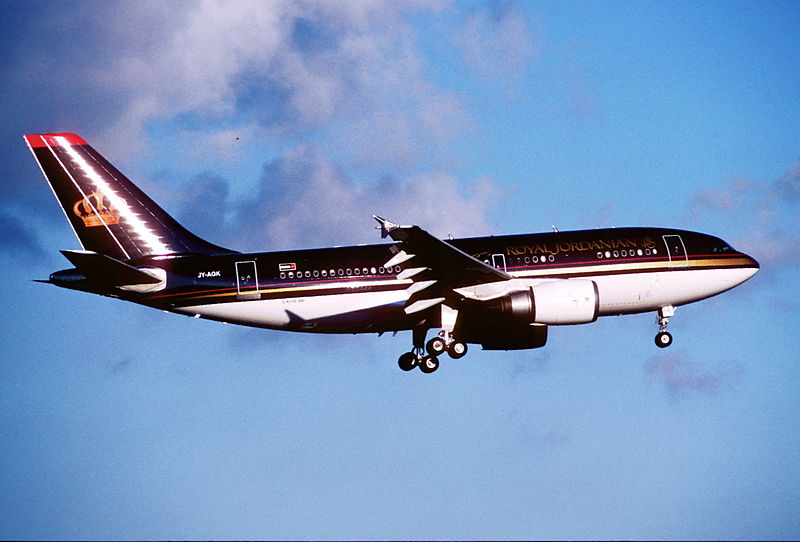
[750, 267]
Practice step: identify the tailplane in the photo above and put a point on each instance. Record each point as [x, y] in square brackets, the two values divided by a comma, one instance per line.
[108, 213]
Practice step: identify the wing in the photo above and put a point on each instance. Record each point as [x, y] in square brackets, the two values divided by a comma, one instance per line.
[436, 267]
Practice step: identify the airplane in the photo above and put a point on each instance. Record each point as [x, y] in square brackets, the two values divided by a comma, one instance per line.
[499, 292]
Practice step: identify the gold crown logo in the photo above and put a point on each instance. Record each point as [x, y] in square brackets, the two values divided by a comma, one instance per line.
[94, 210]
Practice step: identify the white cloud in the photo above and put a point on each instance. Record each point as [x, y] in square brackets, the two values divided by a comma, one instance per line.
[346, 72]
[498, 42]
[304, 199]
[760, 215]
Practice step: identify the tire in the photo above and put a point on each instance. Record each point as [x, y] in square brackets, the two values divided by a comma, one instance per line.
[663, 339]
[436, 346]
[429, 364]
[457, 350]
[407, 361]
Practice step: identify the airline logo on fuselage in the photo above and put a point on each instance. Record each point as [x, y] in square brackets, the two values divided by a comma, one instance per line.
[96, 210]
[580, 246]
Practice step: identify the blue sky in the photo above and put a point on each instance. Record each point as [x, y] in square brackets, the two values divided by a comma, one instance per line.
[271, 125]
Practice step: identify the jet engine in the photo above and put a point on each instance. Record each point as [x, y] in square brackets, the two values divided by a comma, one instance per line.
[519, 320]
[558, 302]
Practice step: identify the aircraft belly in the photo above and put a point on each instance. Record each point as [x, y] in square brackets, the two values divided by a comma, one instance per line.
[650, 291]
[325, 313]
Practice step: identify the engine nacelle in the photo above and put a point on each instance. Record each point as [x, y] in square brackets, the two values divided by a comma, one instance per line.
[559, 302]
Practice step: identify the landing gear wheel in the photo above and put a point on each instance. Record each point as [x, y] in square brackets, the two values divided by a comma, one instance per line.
[663, 339]
[407, 361]
[429, 364]
[457, 350]
[436, 346]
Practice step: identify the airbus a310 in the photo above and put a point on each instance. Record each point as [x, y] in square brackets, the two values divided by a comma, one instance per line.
[500, 292]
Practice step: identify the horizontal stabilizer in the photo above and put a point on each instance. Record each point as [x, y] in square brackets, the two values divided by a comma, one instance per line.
[106, 270]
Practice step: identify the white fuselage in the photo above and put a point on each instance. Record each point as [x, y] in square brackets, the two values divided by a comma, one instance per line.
[624, 293]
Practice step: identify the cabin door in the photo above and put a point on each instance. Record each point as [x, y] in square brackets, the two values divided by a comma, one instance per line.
[499, 261]
[676, 251]
[246, 280]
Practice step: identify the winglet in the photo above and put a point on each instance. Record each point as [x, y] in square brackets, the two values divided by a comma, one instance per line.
[386, 226]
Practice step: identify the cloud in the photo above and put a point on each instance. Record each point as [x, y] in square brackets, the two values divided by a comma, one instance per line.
[349, 73]
[304, 200]
[17, 237]
[497, 41]
[205, 206]
[762, 215]
[682, 377]
[787, 186]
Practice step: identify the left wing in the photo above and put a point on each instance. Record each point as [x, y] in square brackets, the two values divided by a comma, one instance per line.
[435, 266]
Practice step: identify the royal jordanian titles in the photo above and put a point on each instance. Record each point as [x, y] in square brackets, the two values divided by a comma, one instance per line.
[499, 292]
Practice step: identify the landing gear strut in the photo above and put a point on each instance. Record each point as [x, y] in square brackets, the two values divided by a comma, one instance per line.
[663, 338]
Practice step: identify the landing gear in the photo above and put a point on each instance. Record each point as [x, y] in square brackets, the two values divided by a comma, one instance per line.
[427, 357]
[446, 343]
[663, 338]
[418, 357]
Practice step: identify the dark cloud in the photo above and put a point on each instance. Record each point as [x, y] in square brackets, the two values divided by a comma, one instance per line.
[120, 366]
[682, 377]
[205, 207]
[788, 185]
[18, 237]
[536, 362]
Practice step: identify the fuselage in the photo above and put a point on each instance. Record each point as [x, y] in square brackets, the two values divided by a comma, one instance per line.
[349, 289]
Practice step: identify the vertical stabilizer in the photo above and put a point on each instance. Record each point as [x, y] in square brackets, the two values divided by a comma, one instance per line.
[108, 213]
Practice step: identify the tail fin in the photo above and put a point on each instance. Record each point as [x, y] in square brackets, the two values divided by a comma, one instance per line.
[108, 213]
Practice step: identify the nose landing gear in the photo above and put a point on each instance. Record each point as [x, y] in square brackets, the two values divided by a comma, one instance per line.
[664, 338]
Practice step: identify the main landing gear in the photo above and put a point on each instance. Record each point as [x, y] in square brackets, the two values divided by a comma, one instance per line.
[663, 338]
[427, 357]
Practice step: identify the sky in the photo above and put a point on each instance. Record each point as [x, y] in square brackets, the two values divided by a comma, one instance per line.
[266, 125]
